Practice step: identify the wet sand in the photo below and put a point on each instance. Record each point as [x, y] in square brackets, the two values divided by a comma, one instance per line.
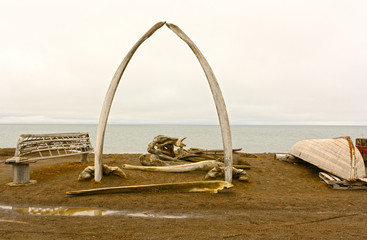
[282, 201]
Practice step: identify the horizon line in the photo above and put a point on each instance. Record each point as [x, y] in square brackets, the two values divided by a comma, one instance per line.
[198, 124]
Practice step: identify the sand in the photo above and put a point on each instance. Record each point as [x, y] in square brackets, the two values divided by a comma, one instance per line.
[282, 201]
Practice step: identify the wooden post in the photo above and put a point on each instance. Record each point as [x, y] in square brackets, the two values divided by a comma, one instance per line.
[216, 92]
[361, 144]
[21, 175]
[84, 157]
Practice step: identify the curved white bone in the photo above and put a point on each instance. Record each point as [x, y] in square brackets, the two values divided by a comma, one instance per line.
[217, 95]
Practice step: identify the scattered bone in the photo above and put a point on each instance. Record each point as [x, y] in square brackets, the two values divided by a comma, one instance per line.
[148, 159]
[215, 168]
[162, 152]
[163, 145]
[163, 157]
[88, 172]
[218, 172]
[285, 157]
[198, 154]
[198, 166]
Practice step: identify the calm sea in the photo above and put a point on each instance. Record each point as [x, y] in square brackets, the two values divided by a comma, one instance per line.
[135, 138]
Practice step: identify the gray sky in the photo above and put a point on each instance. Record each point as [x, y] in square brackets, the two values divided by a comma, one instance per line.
[277, 62]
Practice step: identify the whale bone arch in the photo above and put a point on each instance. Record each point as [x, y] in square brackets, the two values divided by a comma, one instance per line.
[214, 86]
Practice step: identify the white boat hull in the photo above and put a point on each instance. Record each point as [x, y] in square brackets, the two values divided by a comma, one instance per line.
[338, 156]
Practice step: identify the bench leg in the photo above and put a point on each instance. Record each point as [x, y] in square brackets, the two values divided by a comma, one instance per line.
[84, 157]
[21, 175]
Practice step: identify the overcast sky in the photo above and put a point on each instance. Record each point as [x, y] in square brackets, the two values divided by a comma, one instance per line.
[277, 62]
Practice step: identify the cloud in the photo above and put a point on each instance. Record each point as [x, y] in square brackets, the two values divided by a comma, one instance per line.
[277, 62]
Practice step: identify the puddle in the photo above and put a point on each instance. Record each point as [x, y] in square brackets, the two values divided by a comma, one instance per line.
[154, 215]
[62, 211]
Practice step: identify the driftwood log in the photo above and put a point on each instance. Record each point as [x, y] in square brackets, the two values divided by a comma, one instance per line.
[214, 86]
[199, 186]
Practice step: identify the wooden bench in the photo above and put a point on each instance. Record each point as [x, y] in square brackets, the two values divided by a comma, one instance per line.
[34, 147]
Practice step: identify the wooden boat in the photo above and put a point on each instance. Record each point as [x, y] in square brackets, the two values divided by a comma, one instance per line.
[338, 156]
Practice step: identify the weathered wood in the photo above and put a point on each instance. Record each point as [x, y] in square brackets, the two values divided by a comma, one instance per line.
[361, 144]
[199, 166]
[32, 160]
[50, 146]
[47, 146]
[197, 154]
[75, 134]
[215, 89]
[361, 141]
[286, 157]
[210, 151]
[338, 156]
[84, 157]
[200, 186]
[336, 183]
[21, 175]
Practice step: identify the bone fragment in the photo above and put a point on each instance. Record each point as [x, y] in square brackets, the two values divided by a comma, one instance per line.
[88, 172]
[148, 159]
[198, 166]
[218, 172]
[286, 157]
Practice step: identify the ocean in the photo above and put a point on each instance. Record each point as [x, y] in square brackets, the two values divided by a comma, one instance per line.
[135, 138]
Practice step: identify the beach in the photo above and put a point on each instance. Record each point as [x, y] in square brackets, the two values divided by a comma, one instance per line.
[281, 201]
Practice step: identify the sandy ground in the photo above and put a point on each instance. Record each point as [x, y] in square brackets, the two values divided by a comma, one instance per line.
[282, 201]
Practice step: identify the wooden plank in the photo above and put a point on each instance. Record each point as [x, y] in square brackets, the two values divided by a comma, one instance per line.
[55, 135]
[49, 146]
[200, 186]
[12, 160]
[336, 183]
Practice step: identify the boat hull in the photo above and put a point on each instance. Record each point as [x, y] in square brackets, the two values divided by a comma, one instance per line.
[338, 156]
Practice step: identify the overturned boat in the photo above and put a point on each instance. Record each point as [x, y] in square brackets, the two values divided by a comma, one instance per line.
[338, 156]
